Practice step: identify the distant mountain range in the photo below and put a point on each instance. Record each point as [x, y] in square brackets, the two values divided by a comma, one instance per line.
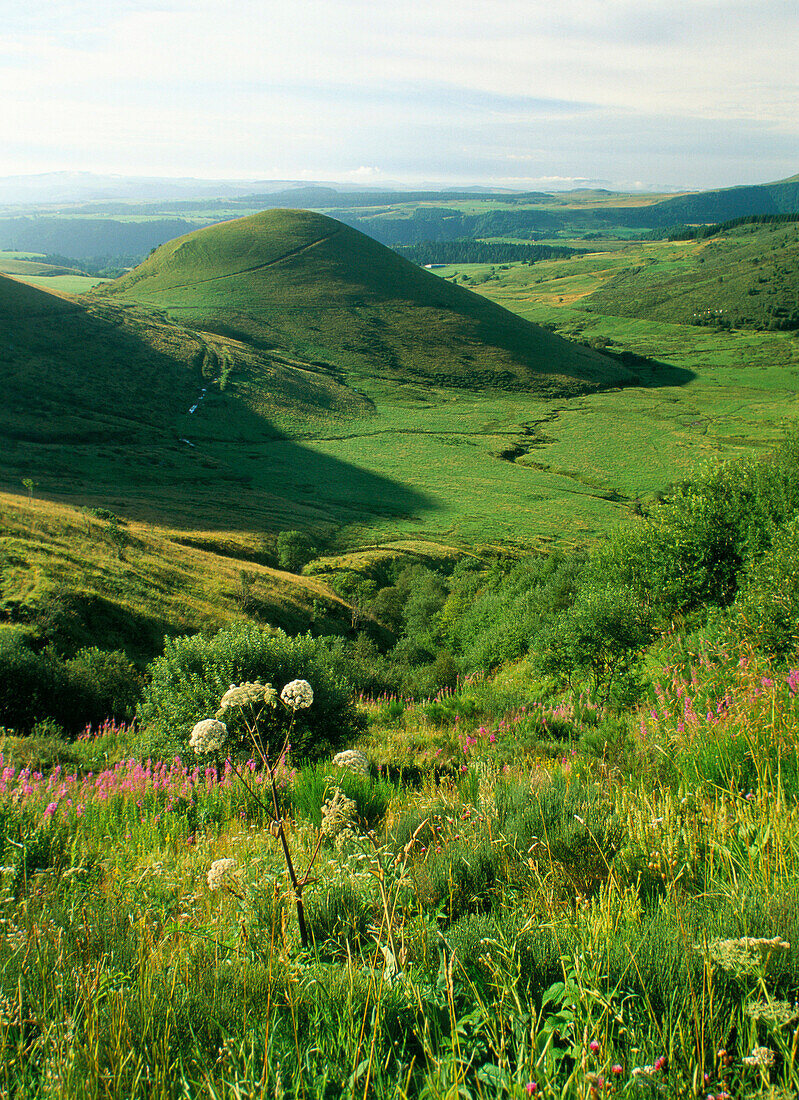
[122, 219]
[71, 187]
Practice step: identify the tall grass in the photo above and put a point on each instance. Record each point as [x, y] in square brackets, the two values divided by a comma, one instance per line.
[558, 927]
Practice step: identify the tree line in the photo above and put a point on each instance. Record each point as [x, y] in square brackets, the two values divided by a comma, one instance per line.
[466, 251]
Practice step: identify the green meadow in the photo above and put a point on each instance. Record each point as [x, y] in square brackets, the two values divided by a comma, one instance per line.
[408, 446]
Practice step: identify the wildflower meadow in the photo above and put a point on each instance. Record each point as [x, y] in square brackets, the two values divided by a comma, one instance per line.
[570, 871]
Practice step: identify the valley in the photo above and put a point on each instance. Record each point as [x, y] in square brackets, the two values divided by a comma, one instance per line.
[519, 537]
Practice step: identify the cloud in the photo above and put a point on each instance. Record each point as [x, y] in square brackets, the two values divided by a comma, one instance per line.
[316, 87]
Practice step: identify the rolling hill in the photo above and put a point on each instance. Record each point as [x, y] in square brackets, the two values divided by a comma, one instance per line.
[301, 283]
[780, 197]
[747, 277]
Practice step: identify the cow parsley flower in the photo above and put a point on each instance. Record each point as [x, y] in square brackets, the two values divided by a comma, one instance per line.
[354, 760]
[760, 1056]
[248, 694]
[747, 955]
[775, 1013]
[297, 695]
[339, 813]
[208, 735]
[222, 874]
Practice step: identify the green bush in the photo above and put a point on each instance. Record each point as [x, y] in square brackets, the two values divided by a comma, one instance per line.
[463, 879]
[32, 686]
[85, 690]
[188, 681]
[767, 608]
[339, 916]
[107, 681]
[692, 548]
[603, 633]
[294, 550]
[494, 619]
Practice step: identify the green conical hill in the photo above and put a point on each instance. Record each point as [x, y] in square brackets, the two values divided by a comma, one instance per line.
[303, 283]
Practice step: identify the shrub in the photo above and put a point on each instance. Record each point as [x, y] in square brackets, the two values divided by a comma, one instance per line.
[32, 686]
[339, 916]
[85, 690]
[693, 546]
[107, 681]
[294, 550]
[188, 681]
[603, 632]
[767, 608]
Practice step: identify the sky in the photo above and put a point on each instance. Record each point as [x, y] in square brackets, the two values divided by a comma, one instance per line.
[542, 94]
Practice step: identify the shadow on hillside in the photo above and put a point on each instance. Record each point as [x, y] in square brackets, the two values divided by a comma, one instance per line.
[604, 370]
[98, 414]
[651, 373]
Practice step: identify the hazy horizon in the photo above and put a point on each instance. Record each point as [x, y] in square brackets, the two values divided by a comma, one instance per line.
[512, 94]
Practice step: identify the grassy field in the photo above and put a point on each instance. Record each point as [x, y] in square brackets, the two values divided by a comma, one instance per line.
[400, 459]
[28, 266]
[739, 387]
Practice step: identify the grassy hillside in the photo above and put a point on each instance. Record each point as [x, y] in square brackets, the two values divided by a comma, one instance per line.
[12, 264]
[112, 406]
[705, 393]
[780, 197]
[77, 577]
[295, 280]
[749, 277]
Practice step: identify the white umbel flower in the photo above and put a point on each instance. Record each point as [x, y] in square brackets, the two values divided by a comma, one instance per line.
[760, 1056]
[297, 695]
[747, 955]
[353, 759]
[338, 814]
[208, 735]
[222, 873]
[248, 694]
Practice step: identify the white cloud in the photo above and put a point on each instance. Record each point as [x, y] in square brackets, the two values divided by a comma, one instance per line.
[334, 87]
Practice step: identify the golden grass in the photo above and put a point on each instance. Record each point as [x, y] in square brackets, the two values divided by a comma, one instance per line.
[186, 580]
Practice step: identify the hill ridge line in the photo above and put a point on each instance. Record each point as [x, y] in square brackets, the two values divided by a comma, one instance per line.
[258, 267]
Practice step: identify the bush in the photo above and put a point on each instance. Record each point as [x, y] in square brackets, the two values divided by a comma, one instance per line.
[92, 686]
[603, 632]
[32, 686]
[108, 683]
[496, 622]
[188, 681]
[767, 608]
[693, 547]
[294, 550]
